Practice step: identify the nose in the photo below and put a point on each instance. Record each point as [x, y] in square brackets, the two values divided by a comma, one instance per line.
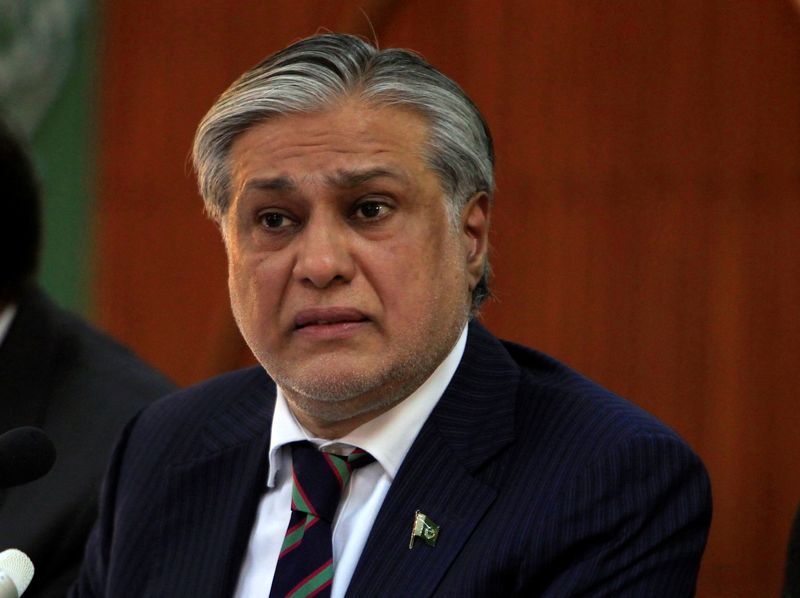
[323, 254]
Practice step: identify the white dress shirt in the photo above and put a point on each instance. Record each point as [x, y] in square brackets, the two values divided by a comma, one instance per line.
[6, 317]
[388, 438]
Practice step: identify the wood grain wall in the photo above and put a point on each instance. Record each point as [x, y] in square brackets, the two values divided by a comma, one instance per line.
[646, 228]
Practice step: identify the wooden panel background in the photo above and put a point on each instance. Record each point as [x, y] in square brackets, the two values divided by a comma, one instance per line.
[646, 228]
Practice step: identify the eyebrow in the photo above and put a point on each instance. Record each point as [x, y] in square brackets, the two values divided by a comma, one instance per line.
[279, 183]
[343, 179]
[349, 179]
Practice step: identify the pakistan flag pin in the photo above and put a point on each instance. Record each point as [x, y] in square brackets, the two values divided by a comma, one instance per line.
[424, 528]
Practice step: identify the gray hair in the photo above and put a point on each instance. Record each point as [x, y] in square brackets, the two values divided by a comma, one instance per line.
[322, 70]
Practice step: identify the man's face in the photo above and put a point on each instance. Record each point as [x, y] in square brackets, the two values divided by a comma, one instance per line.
[347, 278]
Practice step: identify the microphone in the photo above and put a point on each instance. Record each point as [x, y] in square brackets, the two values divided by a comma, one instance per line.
[16, 573]
[26, 454]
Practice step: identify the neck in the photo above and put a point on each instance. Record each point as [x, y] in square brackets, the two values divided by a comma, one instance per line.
[334, 429]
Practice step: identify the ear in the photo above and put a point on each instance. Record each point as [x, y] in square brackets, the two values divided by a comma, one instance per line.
[475, 235]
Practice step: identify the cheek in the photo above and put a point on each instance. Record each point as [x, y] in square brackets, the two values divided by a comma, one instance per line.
[239, 298]
[411, 277]
[395, 271]
[446, 276]
[238, 278]
[252, 287]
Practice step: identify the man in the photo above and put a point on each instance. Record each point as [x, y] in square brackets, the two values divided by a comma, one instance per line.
[59, 374]
[352, 188]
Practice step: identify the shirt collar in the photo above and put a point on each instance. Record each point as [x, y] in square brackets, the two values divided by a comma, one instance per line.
[388, 437]
[6, 316]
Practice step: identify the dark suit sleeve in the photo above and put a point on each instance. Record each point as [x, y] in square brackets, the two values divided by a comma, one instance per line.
[791, 588]
[59, 579]
[640, 515]
[93, 573]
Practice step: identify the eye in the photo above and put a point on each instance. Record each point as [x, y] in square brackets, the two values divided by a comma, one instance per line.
[274, 220]
[371, 210]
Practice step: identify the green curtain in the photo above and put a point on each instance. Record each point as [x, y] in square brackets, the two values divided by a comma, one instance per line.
[47, 65]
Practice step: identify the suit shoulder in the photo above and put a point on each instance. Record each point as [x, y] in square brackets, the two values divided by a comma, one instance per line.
[176, 419]
[75, 380]
[105, 364]
[559, 398]
[199, 400]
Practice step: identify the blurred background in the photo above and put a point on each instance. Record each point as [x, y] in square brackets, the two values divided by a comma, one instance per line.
[646, 227]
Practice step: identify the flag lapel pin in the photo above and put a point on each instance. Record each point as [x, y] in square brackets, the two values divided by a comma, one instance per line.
[423, 528]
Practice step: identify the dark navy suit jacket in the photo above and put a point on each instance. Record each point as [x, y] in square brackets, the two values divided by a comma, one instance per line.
[543, 484]
[81, 387]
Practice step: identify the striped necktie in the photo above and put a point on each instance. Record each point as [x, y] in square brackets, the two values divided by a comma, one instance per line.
[305, 564]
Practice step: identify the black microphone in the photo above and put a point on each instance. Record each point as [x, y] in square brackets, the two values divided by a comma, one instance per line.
[26, 454]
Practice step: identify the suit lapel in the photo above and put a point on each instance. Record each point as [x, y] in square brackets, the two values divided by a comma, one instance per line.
[472, 422]
[28, 358]
[212, 501]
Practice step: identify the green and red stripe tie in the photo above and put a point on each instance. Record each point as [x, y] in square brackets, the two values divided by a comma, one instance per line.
[305, 565]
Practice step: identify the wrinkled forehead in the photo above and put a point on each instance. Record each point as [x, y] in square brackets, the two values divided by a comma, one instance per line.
[343, 145]
[351, 115]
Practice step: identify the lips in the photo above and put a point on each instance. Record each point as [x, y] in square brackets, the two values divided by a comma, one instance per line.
[328, 317]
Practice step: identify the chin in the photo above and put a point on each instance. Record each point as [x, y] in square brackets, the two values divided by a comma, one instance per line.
[341, 387]
[339, 398]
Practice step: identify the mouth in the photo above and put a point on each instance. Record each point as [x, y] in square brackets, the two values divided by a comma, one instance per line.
[328, 317]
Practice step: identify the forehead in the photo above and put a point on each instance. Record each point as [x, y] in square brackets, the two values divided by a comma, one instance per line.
[321, 145]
